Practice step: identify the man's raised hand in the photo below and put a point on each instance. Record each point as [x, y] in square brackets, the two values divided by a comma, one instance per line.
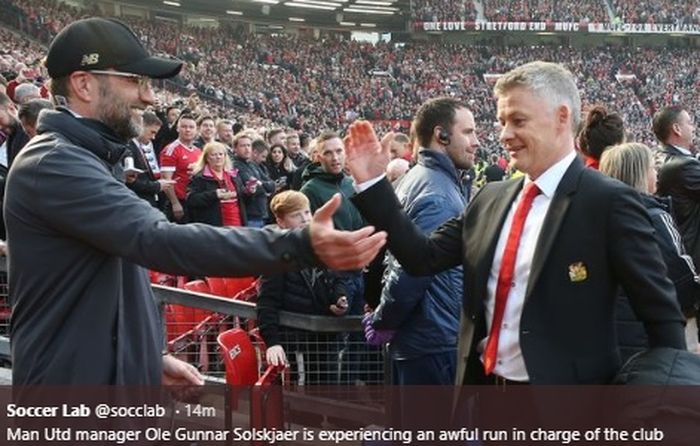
[366, 157]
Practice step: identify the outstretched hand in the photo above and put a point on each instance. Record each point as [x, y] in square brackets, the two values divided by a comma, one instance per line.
[342, 250]
[366, 157]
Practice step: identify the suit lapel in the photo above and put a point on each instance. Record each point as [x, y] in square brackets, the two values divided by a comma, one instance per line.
[553, 220]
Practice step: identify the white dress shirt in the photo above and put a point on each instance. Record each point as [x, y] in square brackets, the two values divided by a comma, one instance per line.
[509, 362]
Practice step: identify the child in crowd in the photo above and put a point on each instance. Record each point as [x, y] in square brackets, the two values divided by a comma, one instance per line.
[311, 291]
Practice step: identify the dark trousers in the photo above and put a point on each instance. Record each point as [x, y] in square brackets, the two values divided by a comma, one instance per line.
[436, 369]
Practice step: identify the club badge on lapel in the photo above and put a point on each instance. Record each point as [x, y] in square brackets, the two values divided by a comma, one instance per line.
[578, 272]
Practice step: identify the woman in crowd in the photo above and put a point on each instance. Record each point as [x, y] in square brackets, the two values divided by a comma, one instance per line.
[280, 166]
[632, 164]
[310, 291]
[600, 130]
[212, 195]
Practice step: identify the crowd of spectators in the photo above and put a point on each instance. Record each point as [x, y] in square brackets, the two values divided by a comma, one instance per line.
[546, 10]
[592, 11]
[310, 85]
[657, 11]
[450, 10]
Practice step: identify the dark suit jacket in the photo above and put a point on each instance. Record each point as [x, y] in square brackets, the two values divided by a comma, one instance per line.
[567, 327]
[145, 186]
[679, 178]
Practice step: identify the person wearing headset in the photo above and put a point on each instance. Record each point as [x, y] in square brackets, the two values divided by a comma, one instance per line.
[423, 312]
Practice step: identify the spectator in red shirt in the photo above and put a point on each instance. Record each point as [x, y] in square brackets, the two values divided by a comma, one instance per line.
[176, 163]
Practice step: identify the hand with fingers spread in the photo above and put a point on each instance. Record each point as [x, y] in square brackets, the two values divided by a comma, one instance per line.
[367, 157]
[342, 250]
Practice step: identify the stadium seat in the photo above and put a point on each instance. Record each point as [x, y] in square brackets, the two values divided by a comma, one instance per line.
[181, 319]
[235, 285]
[217, 285]
[240, 357]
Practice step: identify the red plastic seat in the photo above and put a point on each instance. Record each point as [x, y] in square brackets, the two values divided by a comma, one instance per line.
[228, 286]
[240, 357]
[249, 294]
[180, 319]
[235, 285]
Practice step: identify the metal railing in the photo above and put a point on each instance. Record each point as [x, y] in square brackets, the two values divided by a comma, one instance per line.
[320, 349]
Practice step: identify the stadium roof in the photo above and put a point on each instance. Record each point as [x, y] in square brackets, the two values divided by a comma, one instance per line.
[386, 15]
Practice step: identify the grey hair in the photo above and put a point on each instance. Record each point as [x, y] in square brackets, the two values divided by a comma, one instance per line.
[629, 163]
[549, 81]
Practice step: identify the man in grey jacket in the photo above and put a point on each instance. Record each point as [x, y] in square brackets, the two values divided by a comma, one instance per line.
[83, 310]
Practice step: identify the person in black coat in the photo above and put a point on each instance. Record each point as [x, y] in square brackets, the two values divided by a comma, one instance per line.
[147, 184]
[212, 195]
[632, 164]
[258, 185]
[494, 172]
[280, 167]
[310, 291]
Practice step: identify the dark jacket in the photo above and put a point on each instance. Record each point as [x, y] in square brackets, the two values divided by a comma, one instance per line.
[310, 291]
[145, 186]
[15, 142]
[301, 161]
[631, 335]
[203, 204]
[679, 178]
[425, 310]
[494, 173]
[255, 203]
[319, 187]
[276, 171]
[567, 326]
[83, 308]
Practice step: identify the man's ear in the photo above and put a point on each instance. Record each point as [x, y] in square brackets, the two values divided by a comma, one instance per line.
[82, 87]
[676, 128]
[563, 115]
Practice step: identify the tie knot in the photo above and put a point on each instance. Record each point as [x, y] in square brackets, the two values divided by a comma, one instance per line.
[531, 191]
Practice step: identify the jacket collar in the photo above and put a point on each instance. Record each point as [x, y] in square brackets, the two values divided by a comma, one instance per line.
[89, 134]
[315, 170]
[433, 159]
[651, 201]
[675, 151]
[207, 172]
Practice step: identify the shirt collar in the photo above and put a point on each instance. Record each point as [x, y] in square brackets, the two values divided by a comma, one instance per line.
[682, 150]
[550, 179]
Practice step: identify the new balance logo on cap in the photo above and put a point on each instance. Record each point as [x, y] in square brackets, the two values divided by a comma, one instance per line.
[100, 43]
[90, 59]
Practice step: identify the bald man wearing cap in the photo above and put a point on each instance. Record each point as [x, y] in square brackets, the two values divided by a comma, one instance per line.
[83, 309]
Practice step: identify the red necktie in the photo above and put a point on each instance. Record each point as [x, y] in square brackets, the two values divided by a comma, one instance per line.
[505, 275]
